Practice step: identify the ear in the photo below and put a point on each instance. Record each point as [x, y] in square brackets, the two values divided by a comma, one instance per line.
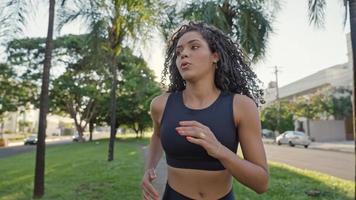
[216, 57]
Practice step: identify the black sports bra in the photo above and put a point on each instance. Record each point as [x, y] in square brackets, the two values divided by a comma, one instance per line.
[180, 153]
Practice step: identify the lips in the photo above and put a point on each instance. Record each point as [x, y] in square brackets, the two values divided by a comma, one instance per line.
[184, 65]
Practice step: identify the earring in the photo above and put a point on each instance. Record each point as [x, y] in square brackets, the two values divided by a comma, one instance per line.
[216, 64]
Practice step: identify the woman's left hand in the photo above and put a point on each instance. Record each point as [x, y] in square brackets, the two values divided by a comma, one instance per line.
[200, 134]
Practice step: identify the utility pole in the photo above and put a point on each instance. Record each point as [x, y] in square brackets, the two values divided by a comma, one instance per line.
[277, 98]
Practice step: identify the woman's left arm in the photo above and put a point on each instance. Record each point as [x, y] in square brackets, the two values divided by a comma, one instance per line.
[251, 171]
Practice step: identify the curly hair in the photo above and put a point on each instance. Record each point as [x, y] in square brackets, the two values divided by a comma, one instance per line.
[233, 73]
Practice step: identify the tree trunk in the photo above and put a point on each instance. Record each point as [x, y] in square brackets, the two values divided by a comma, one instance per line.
[113, 109]
[91, 129]
[141, 133]
[44, 99]
[136, 129]
[80, 130]
[352, 9]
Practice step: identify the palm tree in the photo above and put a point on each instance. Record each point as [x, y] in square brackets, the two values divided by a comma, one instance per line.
[122, 20]
[13, 20]
[316, 13]
[44, 99]
[247, 21]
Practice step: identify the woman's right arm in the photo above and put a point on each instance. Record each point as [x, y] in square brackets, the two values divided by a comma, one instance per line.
[155, 150]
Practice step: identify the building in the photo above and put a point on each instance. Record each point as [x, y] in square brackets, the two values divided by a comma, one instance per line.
[332, 77]
[12, 121]
[335, 76]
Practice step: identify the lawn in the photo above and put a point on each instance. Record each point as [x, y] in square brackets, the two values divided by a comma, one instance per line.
[80, 171]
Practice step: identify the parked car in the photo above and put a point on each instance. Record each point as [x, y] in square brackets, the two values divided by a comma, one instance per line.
[75, 137]
[31, 139]
[266, 133]
[293, 138]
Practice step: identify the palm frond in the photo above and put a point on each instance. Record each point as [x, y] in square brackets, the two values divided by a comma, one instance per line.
[247, 21]
[208, 12]
[316, 12]
[346, 8]
[253, 29]
[88, 11]
[14, 15]
[171, 19]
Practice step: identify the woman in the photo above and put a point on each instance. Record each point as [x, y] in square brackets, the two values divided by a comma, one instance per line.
[209, 108]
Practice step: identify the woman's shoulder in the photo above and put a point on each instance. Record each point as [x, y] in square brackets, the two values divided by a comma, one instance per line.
[158, 103]
[243, 100]
[243, 106]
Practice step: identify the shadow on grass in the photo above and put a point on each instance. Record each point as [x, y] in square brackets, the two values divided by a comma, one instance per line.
[291, 183]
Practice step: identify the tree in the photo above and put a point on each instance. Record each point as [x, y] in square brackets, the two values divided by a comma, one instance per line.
[334, 102]
[316, 9]
[136, 92]
[269, 117]
[77, 93]
[80, 91]
[42, 122]
[122, 20]
[17, 10]
[137, 88]
[341, 105]
[14, 91]
[247, 21]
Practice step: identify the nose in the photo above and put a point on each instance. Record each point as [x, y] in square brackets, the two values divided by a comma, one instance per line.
[183, 54]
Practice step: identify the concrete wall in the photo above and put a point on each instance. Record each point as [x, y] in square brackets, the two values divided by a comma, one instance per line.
[327, 130]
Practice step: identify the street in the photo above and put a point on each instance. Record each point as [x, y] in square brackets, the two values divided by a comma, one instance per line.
[14, 150]
[338, 164]
[20, 148]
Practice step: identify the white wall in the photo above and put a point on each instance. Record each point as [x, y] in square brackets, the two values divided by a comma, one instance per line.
[327, 130]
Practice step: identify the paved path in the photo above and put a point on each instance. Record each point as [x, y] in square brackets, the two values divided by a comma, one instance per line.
[161, 171]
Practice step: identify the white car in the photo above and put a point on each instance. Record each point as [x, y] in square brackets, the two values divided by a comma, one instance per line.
[32, 139]
[293, 138]
[266, 133]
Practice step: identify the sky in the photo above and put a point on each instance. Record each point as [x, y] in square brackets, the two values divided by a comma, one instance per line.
[295, 47]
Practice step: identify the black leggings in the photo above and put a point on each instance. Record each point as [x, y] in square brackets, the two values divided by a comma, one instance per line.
[171, 194]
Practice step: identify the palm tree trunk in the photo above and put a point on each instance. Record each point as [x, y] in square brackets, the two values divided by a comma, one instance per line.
[44, 99]
[113, 109]
[352, 9]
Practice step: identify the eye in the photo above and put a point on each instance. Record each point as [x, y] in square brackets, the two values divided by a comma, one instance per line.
[177, 52]
[195, 47]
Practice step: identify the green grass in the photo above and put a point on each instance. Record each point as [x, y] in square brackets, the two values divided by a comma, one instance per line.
[288, 182]
[80, 171]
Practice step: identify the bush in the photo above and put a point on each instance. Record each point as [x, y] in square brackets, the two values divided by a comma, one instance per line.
[68, 131]
[3, 142]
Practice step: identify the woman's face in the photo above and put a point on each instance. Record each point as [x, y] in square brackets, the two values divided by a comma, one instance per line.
[194, 57]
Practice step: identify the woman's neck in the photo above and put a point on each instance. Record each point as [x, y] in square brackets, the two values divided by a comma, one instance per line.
[201, 92]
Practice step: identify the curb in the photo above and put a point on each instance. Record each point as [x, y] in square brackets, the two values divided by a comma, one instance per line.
[343, 150]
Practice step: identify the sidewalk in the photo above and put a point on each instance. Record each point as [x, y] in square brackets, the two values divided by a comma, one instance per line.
[341, 146]
[161, 171]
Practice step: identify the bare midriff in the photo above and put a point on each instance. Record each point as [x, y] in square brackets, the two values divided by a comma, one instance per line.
[200, 184]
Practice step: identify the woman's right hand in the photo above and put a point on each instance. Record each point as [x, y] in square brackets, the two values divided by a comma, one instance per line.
[148, 191]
